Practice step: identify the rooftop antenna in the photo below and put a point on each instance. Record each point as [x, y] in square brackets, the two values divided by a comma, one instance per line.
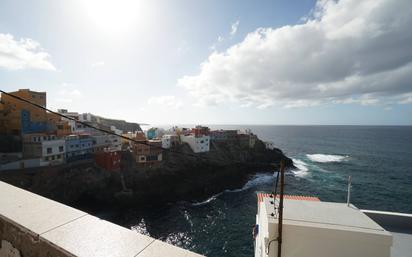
[349, 186]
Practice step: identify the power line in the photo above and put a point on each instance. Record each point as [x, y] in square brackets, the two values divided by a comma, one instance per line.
[124, 137]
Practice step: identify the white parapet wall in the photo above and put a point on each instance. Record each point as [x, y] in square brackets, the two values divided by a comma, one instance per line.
[31, 225]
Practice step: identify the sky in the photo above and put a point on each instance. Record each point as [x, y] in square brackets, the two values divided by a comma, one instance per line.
[346, 62]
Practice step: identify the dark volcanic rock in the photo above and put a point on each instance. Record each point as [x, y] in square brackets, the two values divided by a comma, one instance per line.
[179, 177]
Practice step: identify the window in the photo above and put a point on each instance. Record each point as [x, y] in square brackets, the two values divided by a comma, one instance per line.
[49, 150]
[61, 149]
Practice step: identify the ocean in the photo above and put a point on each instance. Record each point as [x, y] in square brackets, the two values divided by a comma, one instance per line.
[379, 159]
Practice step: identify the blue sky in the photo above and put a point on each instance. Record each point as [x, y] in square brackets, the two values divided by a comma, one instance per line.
[214, 62]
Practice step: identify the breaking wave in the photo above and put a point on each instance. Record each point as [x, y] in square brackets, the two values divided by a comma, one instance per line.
[207, 200]
[256, 180]
[301, 170]
[323, 158]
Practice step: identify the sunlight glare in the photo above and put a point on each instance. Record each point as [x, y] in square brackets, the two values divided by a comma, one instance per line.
[115, 16]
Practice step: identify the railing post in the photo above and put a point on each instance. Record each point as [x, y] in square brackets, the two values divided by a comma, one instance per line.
[349, 186]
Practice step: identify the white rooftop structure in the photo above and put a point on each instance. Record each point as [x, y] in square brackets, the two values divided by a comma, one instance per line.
[312, 228]
[199, 144]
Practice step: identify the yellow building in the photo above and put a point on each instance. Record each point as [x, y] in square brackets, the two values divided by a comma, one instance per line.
[19, 116]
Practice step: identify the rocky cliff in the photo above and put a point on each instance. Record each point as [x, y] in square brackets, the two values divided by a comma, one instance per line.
[179, 177]
[119, 124]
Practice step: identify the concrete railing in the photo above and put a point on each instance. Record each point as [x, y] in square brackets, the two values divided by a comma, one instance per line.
[31, 225]
[392, 221]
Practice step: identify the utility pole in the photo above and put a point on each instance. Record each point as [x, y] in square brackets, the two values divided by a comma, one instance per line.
[280, 221]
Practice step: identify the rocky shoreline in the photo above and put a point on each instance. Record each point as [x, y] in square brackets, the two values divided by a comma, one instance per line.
[179, 177]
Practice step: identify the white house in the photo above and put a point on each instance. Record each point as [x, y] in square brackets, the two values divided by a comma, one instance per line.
[53, 151]
[270, 145]
[47, 148]
[169, 140]
[101, 142]
[85, 117]
[198, 144]
[115, 141]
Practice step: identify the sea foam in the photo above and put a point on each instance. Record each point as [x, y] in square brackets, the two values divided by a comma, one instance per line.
[207, 200]
[258, 179]
[301, 168]
[323, 158]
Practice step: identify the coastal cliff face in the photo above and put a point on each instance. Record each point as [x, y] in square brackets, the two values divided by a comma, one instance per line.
[119, 124]
[179, 177]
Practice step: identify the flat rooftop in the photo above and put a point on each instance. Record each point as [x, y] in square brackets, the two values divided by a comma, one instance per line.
[328, 215]
[75, 232]
[310, 211]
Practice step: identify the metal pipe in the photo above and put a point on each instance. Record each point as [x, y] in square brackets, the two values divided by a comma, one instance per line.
[280, 221]
[349, 186]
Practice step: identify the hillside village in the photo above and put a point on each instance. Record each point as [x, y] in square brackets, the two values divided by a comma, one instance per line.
[33, 137]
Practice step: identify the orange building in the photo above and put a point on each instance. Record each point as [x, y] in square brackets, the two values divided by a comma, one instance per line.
[141, 150]
[147, 151]
[63, 128]
[20, 116]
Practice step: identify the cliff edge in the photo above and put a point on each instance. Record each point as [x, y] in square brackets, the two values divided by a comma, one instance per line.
[178, 177]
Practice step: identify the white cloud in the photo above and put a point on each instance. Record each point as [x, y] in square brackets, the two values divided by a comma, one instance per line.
[406, 99]
[359, 50]
[72, 92]
[365, 99]
[220, 39]
[23, 54]
[233, 28]
[97, 64]
[68, 93]
[165, 101]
